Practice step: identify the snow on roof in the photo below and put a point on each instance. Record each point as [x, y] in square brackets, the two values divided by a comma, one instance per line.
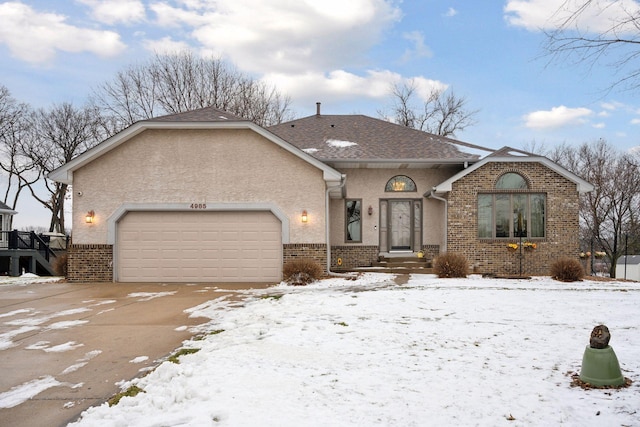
[630, 259]
[339, 143]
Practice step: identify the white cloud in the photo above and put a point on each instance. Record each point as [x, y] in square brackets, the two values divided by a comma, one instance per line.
[451, 12]
[36, 37]
[306, 49]
[635, 121]
[599, 125]
[340, 85]
[284, 36]
[611, 106]
[419, 48]
[116, 11]
[165, 45]
[536, 15]
[425, 87]
[556, 117]
[169, 16]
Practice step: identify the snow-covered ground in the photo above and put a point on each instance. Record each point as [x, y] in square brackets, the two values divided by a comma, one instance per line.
[435, 351]
[438, 352]
[27, 279]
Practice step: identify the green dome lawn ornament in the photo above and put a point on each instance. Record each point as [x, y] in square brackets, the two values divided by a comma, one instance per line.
[600, 365]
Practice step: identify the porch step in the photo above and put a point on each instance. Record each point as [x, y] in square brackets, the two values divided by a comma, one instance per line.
[402, 262]
[399, 264]
[393, 270]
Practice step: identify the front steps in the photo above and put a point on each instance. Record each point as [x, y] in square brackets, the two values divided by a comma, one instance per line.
[399, 264]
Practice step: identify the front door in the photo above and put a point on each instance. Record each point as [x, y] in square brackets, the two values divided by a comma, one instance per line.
[400, 225]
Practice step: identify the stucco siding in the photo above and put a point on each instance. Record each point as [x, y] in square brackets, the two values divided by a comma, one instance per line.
[369, 185]
[201, 167]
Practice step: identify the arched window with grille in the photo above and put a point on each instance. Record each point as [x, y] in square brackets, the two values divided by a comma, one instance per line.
[511, 210]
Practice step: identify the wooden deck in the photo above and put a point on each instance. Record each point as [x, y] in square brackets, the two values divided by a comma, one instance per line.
[27, 252]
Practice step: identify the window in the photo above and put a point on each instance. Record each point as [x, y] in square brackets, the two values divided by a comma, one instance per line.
[511, 181]
[353, 221]
[400, 183]
[508, 215]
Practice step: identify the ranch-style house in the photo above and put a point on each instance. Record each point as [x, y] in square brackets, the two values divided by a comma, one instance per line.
[205, 196]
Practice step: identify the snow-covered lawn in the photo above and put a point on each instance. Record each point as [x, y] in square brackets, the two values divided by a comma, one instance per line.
[434, 351]
[27, 279]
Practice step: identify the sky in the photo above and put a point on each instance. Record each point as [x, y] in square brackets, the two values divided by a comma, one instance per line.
[346, 55]
[466, 352]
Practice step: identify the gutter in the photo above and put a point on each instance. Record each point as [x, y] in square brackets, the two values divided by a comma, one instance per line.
[343, 181]
[446, 214]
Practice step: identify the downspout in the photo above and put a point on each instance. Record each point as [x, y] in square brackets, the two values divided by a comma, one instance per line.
[343, 181]
[446, 215]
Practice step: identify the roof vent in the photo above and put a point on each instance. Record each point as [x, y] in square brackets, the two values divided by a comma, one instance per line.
[318, 108]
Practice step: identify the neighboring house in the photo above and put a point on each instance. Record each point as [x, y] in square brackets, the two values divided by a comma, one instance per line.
[628, 267]
[23, 251]
[206, 196]
[6, 220]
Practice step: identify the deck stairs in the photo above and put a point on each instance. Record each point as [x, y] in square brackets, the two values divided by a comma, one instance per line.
[28, 252]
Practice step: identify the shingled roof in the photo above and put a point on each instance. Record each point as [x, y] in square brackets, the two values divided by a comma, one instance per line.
[6, 209]
[207, 114]
[363, 138]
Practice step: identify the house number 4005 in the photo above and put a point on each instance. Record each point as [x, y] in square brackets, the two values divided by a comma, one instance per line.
[198, 206]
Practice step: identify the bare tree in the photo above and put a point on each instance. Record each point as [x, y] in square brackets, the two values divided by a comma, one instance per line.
[129, 97]
[179, 82]
[16, 170]
[618, 44]
[612, 210]
[58, 135]
[442, 113]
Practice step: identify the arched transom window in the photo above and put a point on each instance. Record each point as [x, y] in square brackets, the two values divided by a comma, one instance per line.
[400, 183]
[511, 181]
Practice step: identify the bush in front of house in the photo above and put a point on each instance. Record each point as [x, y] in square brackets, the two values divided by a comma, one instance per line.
[301, 272]
[60, 265]
[567, 270]
[451, 265]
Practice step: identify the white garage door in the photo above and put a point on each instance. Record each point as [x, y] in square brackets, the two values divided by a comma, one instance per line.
[199, 247]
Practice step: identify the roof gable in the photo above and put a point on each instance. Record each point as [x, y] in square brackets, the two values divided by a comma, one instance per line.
[363, 138]
[205, 118]
[506, 154]
[5, 209]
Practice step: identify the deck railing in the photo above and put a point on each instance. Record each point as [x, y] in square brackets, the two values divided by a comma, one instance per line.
[28, 240]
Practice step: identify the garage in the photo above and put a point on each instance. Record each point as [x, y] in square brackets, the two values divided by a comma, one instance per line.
[199, 246]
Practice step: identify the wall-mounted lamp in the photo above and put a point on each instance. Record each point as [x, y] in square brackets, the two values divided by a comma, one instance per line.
[89, 218]
[305, 217]
[370, 210]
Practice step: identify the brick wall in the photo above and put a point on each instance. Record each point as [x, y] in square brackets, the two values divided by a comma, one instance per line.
[314, 251]
[90, 263]
[492, 256]
[353, 256]
[431, 251]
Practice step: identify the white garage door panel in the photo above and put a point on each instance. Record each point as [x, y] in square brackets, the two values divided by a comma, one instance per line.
[199, 246]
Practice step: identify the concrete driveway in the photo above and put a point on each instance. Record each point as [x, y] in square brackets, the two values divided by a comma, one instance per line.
[65, 347]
